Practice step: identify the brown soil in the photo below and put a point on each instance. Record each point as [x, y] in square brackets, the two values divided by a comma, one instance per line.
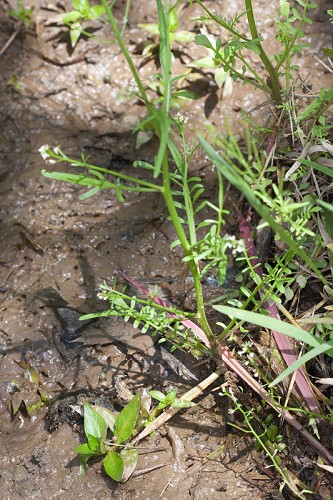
[48, 263]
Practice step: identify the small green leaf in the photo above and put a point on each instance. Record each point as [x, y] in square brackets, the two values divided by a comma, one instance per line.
[83, 458]
[84, 449]
[114, 465]
[203, 41]
[94, 424]
[126, 420]
[97, 10]
[157, 395]
[75, 33]
[71, 17]
[284, 8]
[182, 403]
[93, 443]
[170, 397]
[151, 28]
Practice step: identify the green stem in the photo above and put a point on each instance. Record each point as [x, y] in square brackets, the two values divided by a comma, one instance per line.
[223, 23]
[128, 178]
[167, 193]
[124, 50]
[274, 80]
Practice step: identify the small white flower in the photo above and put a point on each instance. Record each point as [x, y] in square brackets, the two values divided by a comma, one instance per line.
[181, 119]
[102, 295]
[44, 151]
[57, 150]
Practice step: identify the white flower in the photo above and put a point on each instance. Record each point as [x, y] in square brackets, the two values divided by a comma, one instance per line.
[181, 119]
[44, 151]
[102, 295]
[57, 150]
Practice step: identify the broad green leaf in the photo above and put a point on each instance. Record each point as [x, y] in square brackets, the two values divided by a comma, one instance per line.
[126, 420]
[203, 41]
[107, 415]
[94, 424]
[81, 4]
[205, 62]
[270, 323]
[183, 36]
[130, 459]
[114, 465]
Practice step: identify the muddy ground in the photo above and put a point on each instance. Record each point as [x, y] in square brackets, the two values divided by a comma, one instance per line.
[50, 270]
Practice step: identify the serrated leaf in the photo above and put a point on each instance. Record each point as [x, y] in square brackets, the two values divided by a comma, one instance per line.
[126, 420]
[113, 465]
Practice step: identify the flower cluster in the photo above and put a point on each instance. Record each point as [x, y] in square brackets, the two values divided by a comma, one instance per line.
[181, 119]
[237, 246]
[47, 153]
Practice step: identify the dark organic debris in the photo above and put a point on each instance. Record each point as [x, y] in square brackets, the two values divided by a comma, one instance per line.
[66, 408]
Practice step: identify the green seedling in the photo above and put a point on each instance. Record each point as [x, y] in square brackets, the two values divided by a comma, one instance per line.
[169, 400]
[119, 457]
[23, 14]
[82, 12]
[14, 83]
[119, 461]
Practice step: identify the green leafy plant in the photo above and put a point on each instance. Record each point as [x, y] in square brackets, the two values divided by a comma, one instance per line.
[82, 12]
[169, 400]
[22, 13]
[119, 461]
[119, 456]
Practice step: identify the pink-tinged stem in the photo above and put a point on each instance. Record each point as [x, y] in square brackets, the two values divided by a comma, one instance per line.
[283, 341]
